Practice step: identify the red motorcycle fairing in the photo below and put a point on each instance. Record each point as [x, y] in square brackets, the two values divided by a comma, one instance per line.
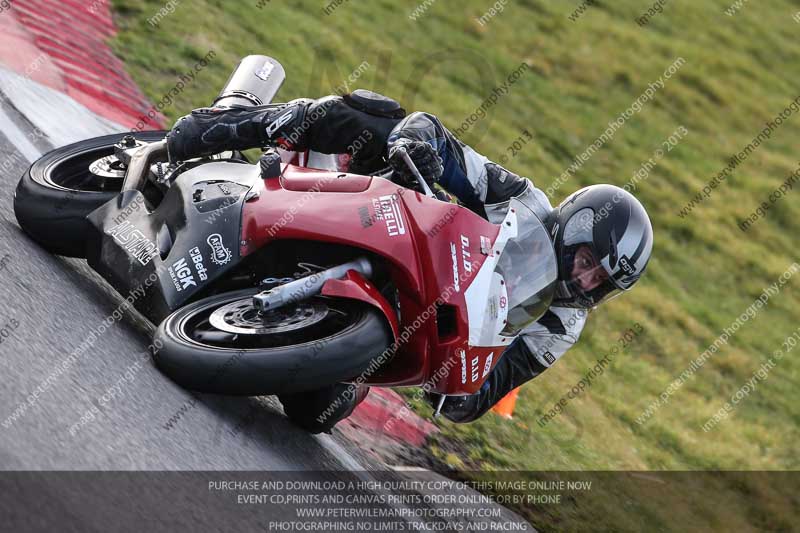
[432, 249]
[356, 287]
[307, 179]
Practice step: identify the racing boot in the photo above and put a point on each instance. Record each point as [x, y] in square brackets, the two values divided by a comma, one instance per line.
[209, 130]
[317, 411]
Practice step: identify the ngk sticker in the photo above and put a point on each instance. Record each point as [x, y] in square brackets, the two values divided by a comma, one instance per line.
[388, 210]
[181, 274]
[134, 242]
[463, 355]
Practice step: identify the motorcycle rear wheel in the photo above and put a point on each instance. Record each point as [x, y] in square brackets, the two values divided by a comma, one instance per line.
[57, 192]
[222, 345]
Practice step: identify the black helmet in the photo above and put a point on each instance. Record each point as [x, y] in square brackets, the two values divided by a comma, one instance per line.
[603, 238]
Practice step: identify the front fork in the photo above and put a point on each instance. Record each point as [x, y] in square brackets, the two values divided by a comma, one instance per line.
[306, 287]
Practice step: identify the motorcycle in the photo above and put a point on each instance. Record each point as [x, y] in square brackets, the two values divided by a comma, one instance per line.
[272, 277]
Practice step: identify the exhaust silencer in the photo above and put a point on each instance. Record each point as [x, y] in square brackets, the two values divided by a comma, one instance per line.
[255, 82]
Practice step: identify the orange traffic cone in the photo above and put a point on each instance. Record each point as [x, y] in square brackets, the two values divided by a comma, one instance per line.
[505, 407]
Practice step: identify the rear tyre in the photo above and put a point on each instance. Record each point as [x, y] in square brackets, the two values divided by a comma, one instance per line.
[63, 186]
[222, 345]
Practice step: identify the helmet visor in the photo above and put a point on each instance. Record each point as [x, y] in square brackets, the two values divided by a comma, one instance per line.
[529, 270]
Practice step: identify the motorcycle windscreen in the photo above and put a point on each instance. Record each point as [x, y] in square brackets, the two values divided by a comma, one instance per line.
[528, 266]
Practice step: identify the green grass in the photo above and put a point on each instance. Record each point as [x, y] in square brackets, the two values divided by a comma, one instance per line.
[740, 71]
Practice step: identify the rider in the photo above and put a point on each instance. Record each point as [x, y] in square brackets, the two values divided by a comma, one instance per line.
[601, 234]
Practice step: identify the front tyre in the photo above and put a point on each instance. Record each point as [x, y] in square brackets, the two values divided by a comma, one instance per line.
[63, 186]
[222, 345]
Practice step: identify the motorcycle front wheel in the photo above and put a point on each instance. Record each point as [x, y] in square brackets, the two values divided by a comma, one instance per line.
[63, 186]
[223, 345]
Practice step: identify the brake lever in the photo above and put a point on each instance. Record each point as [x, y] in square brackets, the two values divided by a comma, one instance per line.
[420, 180]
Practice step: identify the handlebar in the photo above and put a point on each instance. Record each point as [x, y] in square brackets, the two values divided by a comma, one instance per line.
[141, 160]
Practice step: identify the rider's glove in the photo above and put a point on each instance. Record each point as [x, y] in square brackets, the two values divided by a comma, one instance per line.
[424, 157]
[208, 131]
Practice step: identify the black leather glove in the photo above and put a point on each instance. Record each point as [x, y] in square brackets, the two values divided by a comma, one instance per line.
[424, 157]
[208, 131]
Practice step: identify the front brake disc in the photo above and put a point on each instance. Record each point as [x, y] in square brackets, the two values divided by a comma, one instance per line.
[241, 317]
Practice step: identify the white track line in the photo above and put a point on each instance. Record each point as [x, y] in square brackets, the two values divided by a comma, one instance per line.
[18, 138]
[59, 117]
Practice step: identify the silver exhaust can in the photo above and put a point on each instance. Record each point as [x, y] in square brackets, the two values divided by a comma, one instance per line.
[255, 82]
